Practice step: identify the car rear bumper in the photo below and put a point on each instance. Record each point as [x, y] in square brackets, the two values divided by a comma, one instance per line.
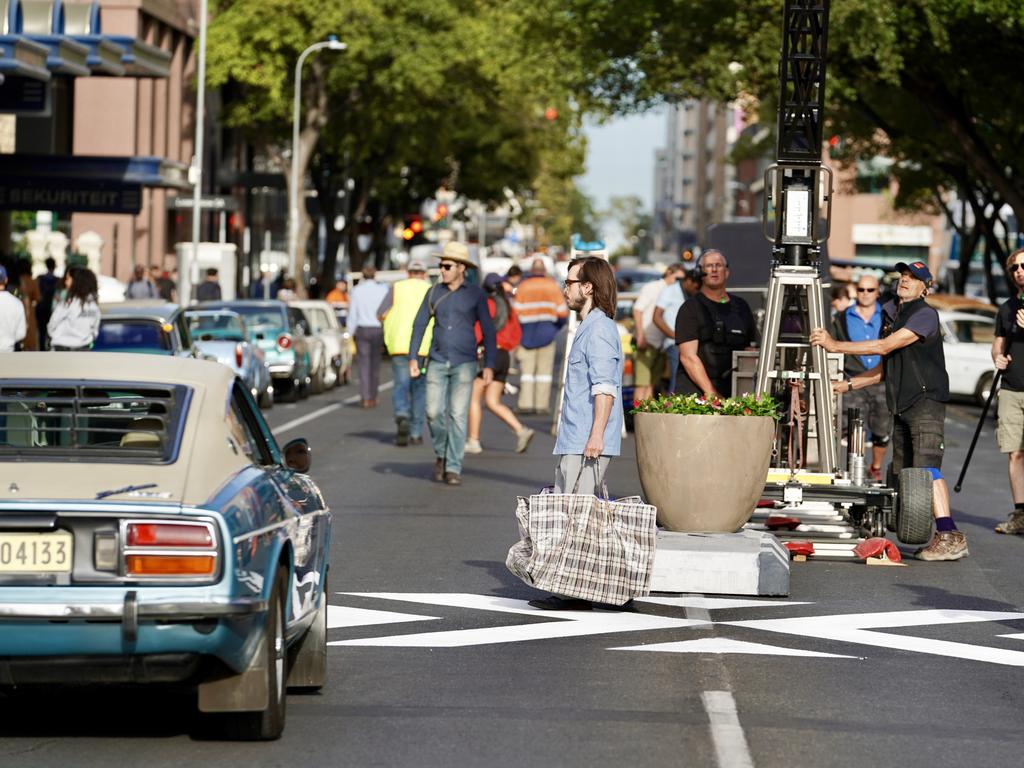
[282, 370]
[117, 670]
[217, 627]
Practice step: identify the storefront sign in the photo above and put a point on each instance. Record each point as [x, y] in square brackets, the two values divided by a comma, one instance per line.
[71, 196]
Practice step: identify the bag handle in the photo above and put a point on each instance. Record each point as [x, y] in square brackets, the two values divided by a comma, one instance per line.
[596, 464]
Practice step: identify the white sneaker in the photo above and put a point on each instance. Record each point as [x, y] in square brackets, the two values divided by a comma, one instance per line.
[523, 439]
[473, 446]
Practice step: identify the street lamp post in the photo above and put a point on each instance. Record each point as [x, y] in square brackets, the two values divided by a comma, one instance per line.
[196, 172]
[334, 44]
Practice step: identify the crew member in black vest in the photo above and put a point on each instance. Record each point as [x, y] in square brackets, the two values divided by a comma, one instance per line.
[916, 388]
[1008, 356]
[710, 326]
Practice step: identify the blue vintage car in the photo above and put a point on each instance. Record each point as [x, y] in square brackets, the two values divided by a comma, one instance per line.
[151, 530]
[221, 335]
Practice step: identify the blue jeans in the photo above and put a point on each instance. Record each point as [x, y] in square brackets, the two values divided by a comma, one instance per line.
[449, 390]
[673, 367]
[409, 395]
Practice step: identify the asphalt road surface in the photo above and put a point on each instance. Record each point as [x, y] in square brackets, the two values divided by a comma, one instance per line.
[436, 659]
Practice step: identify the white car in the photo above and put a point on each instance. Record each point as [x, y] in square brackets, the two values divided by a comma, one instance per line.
[967, 344]
[337, 348]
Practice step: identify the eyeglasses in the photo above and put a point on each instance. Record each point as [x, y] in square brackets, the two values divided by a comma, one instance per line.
[570, 282]
[866, 290]
[446, 266]
[1015, 267]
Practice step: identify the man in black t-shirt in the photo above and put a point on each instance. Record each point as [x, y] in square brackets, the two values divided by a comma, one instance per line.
[709, 328]
[1008, 356]
[913, 367]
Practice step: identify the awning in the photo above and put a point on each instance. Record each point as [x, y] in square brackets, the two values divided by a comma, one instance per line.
[21, 57]
[84, 183]
[69, 36]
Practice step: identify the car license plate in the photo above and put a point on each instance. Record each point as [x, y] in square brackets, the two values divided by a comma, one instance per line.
[35, 552]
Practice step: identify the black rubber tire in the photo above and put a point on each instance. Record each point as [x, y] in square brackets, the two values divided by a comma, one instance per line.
[317, 381]
[983, 388]
[287, 392]
[268, 724]
[266, 399]
[914, 518]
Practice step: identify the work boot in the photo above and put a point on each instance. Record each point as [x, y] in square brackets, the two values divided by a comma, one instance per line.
[1013, 524]
[556, 603]
[945, 545]
[439, 471]
[402, 438]
[473, 445]
[523, 439]
[451, 478]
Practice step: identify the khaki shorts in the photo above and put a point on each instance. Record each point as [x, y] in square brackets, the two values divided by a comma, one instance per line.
[1010, 432]
[648, 366]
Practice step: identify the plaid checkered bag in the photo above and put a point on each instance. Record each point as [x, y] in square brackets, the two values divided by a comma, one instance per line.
[577, 545]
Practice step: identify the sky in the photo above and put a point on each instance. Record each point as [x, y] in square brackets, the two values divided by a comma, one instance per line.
[620, 161]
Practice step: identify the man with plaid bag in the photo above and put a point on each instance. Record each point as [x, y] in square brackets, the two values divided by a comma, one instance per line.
[590, 428]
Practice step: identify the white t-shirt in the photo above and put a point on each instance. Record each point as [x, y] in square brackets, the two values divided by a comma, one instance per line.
[670, 300]
[645, 302]
[12, 321]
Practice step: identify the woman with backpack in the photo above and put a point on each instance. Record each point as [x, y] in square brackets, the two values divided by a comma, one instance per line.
[509, 334]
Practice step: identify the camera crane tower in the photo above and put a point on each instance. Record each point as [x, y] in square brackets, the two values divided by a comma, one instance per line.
[795, 218]
[796, 214]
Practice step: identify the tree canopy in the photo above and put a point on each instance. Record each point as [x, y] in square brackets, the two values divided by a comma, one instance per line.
[429, 93]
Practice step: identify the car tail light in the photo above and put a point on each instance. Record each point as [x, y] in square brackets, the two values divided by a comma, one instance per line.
[238, 355]
[284, 341]
[170, 565]
[169, 535]
[163, 548]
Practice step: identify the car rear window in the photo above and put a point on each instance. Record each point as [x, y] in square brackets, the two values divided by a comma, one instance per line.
[93, 421]
[133, 336]
[215, 327]
[262, 317]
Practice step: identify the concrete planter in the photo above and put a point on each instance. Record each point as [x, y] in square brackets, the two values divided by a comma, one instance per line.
[703, 473]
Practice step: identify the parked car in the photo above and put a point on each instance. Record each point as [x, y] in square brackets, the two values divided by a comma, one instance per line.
[181, 545]
[146, 326]
[323, 323]
[282, 335]
[967, 345]
[956, 303]
[221, 335]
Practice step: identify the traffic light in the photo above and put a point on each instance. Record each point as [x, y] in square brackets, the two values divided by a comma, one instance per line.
[412, 234]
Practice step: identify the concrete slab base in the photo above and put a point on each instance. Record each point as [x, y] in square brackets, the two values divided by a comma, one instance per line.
[743, 563]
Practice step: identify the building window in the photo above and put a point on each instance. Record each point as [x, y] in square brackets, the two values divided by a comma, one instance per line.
[891, 253]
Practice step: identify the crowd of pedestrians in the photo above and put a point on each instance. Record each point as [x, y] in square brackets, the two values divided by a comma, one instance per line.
[48, 312]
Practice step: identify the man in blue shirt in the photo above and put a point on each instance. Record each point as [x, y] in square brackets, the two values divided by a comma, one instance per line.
[456, 307]
[862, 321]
[590, 427]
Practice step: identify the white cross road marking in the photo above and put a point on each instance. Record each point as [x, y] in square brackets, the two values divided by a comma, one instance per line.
[849, 628]
[855, 628]
[338, 617]
[567, 624]
[728, 645]
[713, 603]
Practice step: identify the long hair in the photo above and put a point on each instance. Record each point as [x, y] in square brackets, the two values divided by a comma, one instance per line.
[1013, 258]
[83, 286]
[598, 273]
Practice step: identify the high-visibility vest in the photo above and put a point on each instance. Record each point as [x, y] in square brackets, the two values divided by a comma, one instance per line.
[408, 296]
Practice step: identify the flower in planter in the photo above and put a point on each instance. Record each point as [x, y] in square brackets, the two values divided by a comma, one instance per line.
[698, 405]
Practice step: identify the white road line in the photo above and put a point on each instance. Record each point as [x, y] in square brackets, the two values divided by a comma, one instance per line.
[726, 732]
[324, 411]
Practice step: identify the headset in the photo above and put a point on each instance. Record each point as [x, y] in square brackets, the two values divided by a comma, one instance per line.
[698, 271]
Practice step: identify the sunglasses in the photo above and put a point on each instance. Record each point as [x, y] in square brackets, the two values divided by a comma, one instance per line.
[570, 282]
[446, 266]
[866, 290]
[1015, 267]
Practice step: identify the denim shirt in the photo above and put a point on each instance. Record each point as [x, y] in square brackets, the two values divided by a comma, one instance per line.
[595, 367]
[455, 318]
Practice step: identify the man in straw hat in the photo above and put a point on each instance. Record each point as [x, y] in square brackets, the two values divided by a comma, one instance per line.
[455, 306]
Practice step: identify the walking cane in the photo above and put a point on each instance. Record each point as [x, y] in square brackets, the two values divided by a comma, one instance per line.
[977, 432]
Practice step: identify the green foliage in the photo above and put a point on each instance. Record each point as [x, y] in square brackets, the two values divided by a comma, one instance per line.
[698, 405]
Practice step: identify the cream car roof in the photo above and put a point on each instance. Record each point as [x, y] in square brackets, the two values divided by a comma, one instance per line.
[205, 462]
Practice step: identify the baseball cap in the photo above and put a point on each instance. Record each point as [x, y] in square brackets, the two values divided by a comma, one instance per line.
[493, 280]
[416, 265]
[917, 268]
[3, 274]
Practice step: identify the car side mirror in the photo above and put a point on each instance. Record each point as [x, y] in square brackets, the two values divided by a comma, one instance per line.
[298, 455]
